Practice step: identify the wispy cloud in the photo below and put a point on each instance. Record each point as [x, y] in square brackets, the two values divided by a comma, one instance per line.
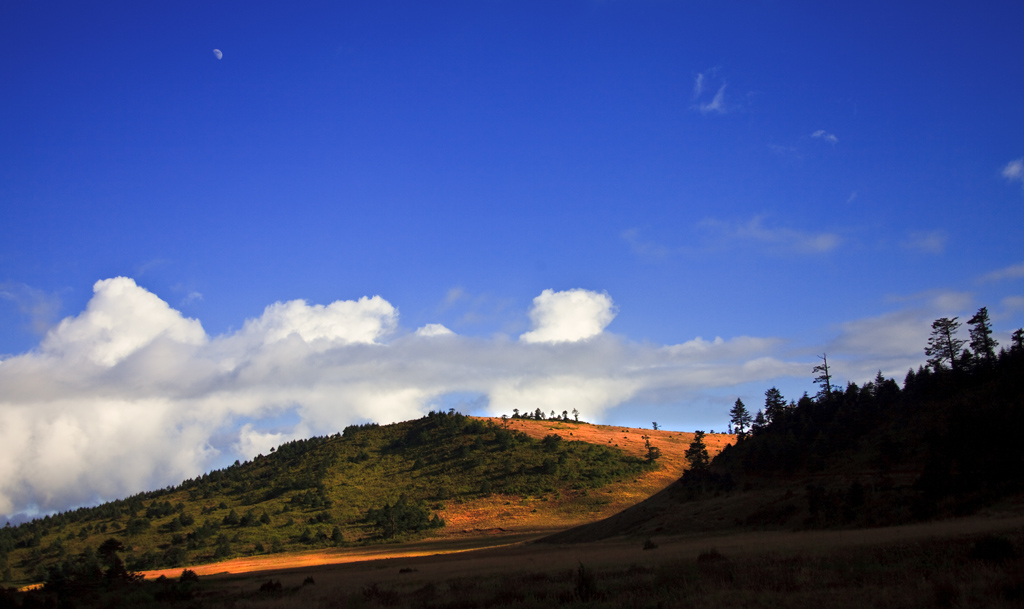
[190, 298]
[929, 242]
[716, 104]
[1015, 271]
[1014, 171]
[643, 247]
[824, 135]
[40, 307]
[755, 231]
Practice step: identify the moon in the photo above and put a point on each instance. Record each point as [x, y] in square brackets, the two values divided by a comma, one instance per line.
[217, 53]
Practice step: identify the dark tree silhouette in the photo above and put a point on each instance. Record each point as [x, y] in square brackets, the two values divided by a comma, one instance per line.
[1017, 339]
[739, 417]
[982, 343]
[943, 345]
[774, 405]
[824, 379]
[697, 453]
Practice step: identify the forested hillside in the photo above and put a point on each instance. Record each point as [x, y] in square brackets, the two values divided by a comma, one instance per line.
[945, 443]
[368, 484]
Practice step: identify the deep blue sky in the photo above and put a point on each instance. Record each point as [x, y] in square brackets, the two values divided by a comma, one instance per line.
[798, 172]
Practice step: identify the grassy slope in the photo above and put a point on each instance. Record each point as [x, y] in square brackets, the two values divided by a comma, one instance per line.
[470, 472]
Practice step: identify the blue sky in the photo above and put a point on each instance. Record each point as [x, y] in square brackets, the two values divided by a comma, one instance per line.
[627, 181]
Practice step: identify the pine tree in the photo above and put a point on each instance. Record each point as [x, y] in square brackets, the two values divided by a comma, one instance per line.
[739, 417]
[982, 343]
[697, 453]
[943, 345]
[774, 405]
[1017, 338]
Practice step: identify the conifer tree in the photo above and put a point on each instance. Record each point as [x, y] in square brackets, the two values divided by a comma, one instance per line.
[982, 343]
[739, 417]
[943, 345]
[1017, 338]
[774, 405]
[697, 453]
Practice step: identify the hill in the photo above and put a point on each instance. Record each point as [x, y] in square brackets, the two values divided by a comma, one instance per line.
[945, 444]
[446, 475]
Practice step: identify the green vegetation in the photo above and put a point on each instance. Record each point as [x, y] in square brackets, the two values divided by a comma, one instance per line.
[368, 484]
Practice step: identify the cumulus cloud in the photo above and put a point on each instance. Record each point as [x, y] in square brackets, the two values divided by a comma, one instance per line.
[568, 316]
[824, 135]
[131, 395]
[119, 319]
[1014, 171]
[780, 238]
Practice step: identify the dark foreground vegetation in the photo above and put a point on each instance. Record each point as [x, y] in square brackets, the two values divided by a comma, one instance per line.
[368, 484]
[977, 571]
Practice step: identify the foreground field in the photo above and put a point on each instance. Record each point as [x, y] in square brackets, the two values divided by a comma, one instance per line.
[966, 562]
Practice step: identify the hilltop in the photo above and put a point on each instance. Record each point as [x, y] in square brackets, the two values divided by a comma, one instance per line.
[444, 476]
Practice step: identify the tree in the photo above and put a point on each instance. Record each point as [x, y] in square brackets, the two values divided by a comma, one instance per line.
[943, 345]
[697, 453]
[982, 343]
[824, 379]
[759, 422]
[774, 405]
[515, 413]
[1017, 338]
[740, 417]
[655, 424]
[576, 415]
[653, 452]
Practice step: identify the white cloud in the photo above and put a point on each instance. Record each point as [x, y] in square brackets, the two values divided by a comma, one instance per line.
[344, 321]
[777, 237]
[568, 316]
[131, 395]
[433, 330]
[824, 135]
[1014, 171]
[698, 85]
[931, 242]
[1015, 271]
[119, 319]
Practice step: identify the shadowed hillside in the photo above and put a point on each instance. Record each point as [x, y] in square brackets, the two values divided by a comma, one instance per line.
[945, 444]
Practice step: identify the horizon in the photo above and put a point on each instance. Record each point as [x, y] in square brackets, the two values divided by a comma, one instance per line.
[230, 226]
